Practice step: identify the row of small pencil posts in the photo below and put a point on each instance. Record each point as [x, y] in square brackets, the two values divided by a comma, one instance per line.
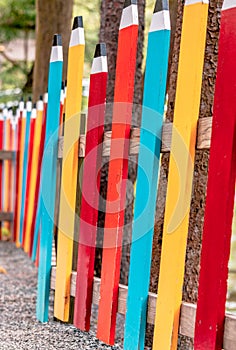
[38, 130]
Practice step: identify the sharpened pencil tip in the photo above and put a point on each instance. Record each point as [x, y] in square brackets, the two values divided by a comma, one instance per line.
[57, 41]
[34, 105]
[161, 5]
[62, 85]
[101, 50]
[78, 22]
[29, 99]
[130, 2]
[41, 97]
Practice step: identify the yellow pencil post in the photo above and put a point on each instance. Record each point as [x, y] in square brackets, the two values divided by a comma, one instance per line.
[180, 178]
[33, 179]
[69, 171]
[7, 172]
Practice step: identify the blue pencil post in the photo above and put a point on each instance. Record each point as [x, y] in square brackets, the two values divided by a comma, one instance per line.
[48, 180]
[148, 170]
[25, 166]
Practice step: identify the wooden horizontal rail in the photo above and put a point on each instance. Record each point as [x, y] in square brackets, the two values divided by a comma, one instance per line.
[6, 216]
[203, 139]
[188, 311]
[7, 155]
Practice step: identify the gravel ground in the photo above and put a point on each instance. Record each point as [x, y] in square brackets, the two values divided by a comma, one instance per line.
[19, 328]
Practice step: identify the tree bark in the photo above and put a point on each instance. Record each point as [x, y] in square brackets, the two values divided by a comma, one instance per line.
[201, 162]
[53, 17]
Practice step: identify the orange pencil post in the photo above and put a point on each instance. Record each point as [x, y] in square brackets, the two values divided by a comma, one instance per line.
[35, 137]
[34, 226]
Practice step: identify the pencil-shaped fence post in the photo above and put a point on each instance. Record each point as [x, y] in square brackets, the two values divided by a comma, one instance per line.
[35, 135]
[118, 171]
[25, 167]
[69, 171]
[217, 230]
[16, 207]
[7, 167]
[148, 168]
[1, 164]
[14, 125]
[90, 189]
[34, 228]
[20, 179]
[29, 174]
[48, 182]
[181, 169]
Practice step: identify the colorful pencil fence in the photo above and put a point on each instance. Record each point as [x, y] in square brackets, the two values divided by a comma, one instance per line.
[35, 149]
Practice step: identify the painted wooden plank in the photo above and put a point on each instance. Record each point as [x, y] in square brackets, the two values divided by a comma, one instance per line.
[21, 160]
[35, 137]
[13, 144]
[5, 116]
[7, 170]
[25, 240]
[34, 230]
[118, 171]
[14, 134]
[220, 193]
[69, 166]
[25, 168]
[90, 189]
[1, 165]
[181, 169]
[147, 176]
[48, 184]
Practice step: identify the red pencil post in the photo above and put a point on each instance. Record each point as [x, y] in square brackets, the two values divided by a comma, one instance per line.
[118, 171]
[210, 317]
[90, 190]
[31, 144]
[1, 167]
[16, 209]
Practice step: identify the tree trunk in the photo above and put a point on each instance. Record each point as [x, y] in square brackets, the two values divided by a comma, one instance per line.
[201, 162]
[53, 17]
[110, 21]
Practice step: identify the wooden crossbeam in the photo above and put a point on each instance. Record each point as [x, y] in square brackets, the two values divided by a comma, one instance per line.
[7, 155]
[6, 216]
[203, 139]
[188, 311]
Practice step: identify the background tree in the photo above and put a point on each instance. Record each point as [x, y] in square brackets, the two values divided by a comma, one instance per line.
[53, 16]
[17, 21]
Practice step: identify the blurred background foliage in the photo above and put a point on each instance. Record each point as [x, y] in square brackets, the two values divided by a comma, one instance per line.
[17, 27]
